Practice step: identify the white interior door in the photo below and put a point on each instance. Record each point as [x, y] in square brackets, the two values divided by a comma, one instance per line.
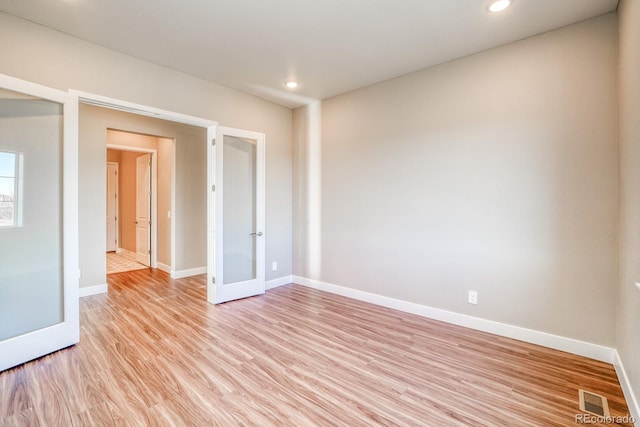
[143, 209]
[239, 267]
[112, 207]
[38, 221]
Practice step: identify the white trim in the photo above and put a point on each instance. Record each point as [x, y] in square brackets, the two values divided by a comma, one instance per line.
[164, 267]
[172, 203]
[181, 274]
[143, 110]
[280, 281]
[93, 290]
[582, 348]
[632, 402]
[213, 211]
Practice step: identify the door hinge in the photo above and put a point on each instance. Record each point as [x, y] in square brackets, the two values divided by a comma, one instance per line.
[149, 251]
[213, 280]
[213, 188]
[213, 142]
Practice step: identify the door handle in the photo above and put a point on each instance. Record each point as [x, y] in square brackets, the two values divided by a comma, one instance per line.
[259, 233]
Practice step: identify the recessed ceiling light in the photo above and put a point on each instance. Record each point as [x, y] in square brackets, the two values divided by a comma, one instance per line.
[499, 5]
[291, 84]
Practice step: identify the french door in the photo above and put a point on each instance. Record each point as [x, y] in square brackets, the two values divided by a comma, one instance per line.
[239, 218]
[38, 221]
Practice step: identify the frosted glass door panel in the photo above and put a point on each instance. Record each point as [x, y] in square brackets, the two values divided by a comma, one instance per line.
[239, 209]
[31, 264]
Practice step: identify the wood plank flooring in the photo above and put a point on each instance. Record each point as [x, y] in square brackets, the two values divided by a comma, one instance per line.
[153, 352]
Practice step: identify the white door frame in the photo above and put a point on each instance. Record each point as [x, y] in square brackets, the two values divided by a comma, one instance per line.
[154, 198]
[117, 191]
[210, 125]
[43, 341]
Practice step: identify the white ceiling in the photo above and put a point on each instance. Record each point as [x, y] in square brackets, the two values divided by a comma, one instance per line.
[329, 46]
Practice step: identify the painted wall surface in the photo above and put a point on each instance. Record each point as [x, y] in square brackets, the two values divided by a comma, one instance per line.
[628, 326]
[166, 149]
[495, 173]
[35, 53]
[113, 156]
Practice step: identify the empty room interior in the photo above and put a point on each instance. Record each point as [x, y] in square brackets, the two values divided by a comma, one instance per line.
[320, 213]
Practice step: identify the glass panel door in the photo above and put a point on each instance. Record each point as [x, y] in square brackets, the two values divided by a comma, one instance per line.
[239, 231]
[36, 314]
[239, 209]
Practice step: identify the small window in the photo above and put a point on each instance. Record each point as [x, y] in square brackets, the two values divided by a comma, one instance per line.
[11, 164]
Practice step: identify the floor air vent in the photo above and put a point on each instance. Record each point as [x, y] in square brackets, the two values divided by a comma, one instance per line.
[593, 403]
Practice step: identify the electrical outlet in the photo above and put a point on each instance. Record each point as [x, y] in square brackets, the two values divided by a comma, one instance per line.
[473, 297]
[638, 285]
[274, 266]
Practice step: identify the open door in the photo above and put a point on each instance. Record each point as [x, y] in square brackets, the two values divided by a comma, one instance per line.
[143, 209]
[38, 221]
[239, 266]
[112, 207]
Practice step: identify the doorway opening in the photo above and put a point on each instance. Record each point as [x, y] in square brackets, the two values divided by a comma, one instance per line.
[139, 186]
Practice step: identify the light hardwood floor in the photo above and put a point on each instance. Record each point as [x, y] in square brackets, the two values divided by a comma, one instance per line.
[153, 352]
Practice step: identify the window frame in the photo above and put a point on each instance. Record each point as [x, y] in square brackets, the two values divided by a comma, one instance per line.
[18, 188]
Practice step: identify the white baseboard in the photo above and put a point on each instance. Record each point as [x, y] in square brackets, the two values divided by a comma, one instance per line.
[181, 274]
[93, 290]
[582, 348]
[281, 281]
[632, 402]
[163, 267]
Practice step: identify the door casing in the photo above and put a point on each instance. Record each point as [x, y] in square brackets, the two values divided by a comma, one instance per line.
[210, 125]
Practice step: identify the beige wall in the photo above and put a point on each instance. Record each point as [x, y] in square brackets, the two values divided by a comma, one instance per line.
[34, 53]
[166, 159]
[496, 173]
[113, 156]
[628, 330]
